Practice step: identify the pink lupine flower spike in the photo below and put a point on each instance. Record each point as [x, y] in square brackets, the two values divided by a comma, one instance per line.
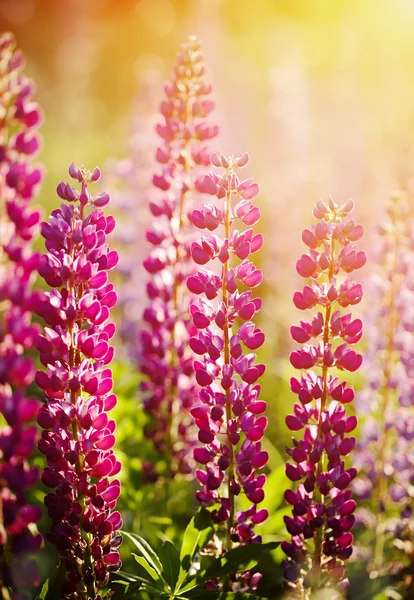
[78, 436]
[230, 415]
[166, 358]
[322, 513]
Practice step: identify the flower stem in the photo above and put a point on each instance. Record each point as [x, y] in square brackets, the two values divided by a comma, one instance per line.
[74, 360]
[316, 559]
[226, 331]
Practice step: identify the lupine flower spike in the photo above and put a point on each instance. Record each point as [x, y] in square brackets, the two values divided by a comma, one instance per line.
[170, 389]
[78, 436]
[19, 180]
[385, 453]
[322, 513]
[229, 414]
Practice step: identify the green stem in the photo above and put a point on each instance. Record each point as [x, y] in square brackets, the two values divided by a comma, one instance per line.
[226, 331]
[74, 360]
[319, 498]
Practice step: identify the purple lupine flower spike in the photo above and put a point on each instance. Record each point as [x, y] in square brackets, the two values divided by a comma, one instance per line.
[78, 436]
[19, 142]
[170, 389]
[385, 452]
[322, 514]
[230, 415]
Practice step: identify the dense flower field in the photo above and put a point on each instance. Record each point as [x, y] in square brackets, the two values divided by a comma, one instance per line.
[136, 413]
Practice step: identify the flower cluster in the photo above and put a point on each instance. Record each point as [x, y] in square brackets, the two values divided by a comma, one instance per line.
[385, 455]
[322, 514]
[230, 415]
[19, 142]
[78, 436]
[170, 389]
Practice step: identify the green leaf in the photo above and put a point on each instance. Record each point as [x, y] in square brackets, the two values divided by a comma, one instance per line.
[197, 534]
[170, 561]
[43, 591]
[153, 575]
[127, 591]
[51, 588]
[211, 594]
[127, 577]
[233, 559]
[146, 551]
[201, 593]
[141, 571]
[235, 596]
[388, 594]
[202, 519]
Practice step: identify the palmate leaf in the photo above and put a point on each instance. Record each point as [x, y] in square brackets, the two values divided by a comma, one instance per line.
[170, 561]
[199, 594]
[232, 560]
[146, 551]
[150, 574]
[198, 532]
[124, 577]
[130, 579]
[128, 591]
[51, 587]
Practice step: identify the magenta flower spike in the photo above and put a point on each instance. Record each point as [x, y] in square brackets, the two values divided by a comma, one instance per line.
[78, 436]
[322, 506]
[229, 415]
[170, 389]
[19, 179]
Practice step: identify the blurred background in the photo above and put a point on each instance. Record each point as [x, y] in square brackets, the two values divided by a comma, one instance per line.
[319, 92]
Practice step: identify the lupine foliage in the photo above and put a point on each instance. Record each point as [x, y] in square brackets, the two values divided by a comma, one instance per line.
[19, 142]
